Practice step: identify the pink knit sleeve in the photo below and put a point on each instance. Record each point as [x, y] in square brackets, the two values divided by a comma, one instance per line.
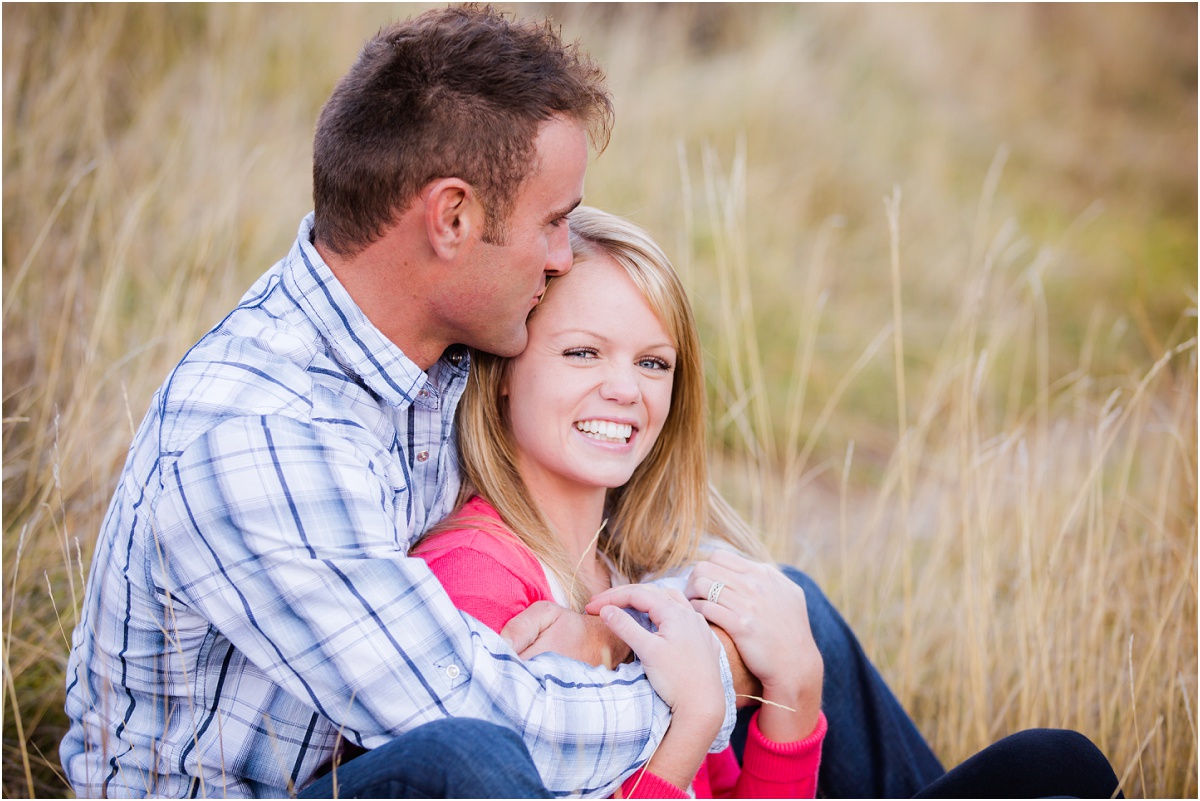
[644, 784]
[769, 769]
[480, 585]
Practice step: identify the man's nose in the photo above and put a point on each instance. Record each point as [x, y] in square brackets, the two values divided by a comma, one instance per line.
[559, 259]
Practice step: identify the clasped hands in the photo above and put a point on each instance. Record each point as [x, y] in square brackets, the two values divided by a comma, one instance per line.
[758, 614]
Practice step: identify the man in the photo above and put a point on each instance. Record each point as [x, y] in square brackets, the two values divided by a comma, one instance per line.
[251, 618]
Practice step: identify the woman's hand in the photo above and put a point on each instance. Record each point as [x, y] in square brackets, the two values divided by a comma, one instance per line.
[682, 662]
[766, 614]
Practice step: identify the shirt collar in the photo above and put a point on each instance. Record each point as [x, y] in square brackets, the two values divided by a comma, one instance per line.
[359, 347]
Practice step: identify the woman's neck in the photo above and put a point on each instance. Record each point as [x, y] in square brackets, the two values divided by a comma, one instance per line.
[577, 515]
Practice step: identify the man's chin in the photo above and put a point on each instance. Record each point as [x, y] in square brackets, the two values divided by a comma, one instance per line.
[507, 348]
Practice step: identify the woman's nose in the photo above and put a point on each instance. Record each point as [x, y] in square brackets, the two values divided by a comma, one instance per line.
[621, 386]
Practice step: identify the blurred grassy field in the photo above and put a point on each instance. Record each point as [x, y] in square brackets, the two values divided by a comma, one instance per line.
[944, 258]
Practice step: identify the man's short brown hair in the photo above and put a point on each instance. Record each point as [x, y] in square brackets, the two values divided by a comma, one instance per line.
[455, 92]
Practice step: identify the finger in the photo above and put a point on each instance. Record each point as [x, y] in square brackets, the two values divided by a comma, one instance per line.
[727, 597]
[534, 649]
[677, 596]
[703, 575]
[625, 595]
[719, 615]
[647, 598]
[628, 629]
[523, 629]
[732, 561]
[697, 580]
[702, 586]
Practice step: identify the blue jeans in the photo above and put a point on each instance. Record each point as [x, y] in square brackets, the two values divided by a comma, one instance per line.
[449, 758]
[872, 748]
[1035, 763]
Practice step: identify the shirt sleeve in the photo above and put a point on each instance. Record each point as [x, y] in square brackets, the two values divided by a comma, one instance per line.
[289, 541]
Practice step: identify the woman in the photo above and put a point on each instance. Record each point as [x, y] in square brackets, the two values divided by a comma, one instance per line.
[589, 449]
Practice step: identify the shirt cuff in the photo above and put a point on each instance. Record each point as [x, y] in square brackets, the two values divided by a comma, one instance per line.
[722, 741]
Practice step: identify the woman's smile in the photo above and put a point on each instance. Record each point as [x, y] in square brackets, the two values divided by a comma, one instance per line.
[606, 431]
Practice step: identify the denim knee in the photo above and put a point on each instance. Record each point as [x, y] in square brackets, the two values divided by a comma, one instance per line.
[1068, 748]
[461, 736]
[825, 621]
[447, 758]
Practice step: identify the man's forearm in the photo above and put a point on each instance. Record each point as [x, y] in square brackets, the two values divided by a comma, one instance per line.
[747, 687]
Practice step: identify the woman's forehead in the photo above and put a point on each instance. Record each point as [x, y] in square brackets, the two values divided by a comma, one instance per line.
[597, 287]
[592, 281]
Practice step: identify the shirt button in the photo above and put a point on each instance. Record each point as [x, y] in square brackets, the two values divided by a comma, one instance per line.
[423, 456]
[423, 393]
[452, 671]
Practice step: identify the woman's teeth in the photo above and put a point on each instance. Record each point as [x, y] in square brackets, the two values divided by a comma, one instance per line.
[605, 431]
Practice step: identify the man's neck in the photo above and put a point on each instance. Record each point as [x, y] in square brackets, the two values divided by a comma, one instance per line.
[397, 308]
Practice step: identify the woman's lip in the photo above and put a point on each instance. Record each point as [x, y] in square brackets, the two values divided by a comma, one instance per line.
[607, 444]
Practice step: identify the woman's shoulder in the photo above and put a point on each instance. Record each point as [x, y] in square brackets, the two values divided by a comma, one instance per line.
[477, 526]
[474, 515]
[485, 569]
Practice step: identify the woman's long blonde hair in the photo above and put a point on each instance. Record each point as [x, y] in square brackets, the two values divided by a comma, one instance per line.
[656, 520]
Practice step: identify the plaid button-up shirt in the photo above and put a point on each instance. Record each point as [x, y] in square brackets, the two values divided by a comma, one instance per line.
[251, 601]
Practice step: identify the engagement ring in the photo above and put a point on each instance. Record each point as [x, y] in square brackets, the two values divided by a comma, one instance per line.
[714, 592]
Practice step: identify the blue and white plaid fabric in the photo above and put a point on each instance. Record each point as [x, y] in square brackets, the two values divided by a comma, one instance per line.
[251, 601]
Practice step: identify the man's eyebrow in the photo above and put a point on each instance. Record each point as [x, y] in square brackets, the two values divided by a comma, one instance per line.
[555, 215]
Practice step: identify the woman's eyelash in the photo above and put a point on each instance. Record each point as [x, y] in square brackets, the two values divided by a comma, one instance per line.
[661, 364]
[654, 362]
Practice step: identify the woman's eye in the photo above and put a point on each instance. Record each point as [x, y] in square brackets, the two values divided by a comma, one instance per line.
[580, 353]
[654, 363]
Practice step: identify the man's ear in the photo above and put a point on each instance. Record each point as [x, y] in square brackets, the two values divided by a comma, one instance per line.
[453, 216]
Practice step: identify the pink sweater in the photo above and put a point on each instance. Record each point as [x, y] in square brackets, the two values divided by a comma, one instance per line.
[492, 576]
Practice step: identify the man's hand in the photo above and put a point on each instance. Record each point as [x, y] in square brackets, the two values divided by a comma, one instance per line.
[546, 626]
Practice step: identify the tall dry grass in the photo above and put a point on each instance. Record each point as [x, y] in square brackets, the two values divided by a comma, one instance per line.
[944, 259]
[1014, 562]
